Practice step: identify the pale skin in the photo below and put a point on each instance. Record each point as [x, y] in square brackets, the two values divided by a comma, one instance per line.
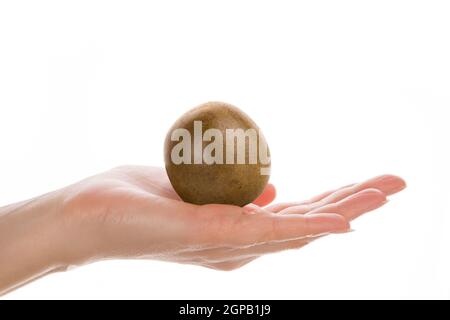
[133, 212]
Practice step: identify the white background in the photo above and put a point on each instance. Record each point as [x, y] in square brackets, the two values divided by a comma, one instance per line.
[343, 90]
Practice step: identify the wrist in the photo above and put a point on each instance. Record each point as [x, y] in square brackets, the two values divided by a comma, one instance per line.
[32, 240]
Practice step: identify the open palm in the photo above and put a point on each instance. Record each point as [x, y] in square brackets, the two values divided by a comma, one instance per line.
[133, 212]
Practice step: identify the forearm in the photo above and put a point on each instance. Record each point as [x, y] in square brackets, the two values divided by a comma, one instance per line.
[31, 242]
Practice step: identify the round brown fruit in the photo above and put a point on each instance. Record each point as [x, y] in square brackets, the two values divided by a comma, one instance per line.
[198, 175]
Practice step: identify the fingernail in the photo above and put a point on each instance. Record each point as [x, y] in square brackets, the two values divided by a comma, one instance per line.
[366, 201]
[393, 184]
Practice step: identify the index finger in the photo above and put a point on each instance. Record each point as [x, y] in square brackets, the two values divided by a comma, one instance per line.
[248, 230]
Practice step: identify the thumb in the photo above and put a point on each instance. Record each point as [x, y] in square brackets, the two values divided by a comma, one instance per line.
[267, 196]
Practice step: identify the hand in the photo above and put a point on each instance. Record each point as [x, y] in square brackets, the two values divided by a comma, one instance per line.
[133, 212]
